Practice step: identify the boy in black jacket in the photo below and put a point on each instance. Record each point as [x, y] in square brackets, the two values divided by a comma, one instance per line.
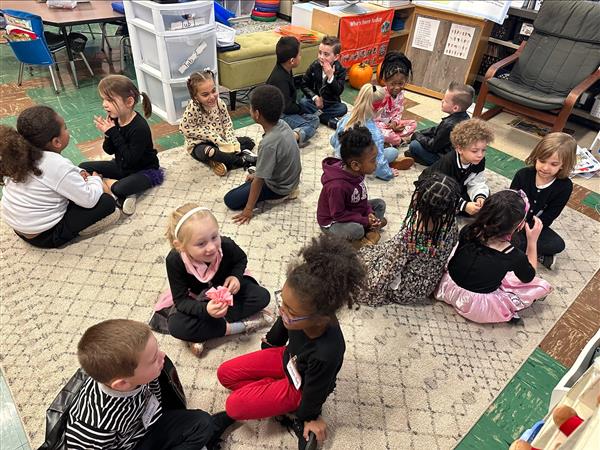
[323, 83]
[429, 145]
[288, 57]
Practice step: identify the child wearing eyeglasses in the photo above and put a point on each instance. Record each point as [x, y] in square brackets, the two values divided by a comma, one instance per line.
[303, 352]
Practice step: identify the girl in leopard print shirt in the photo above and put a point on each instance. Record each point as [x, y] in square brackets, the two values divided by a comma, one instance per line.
[208, 130]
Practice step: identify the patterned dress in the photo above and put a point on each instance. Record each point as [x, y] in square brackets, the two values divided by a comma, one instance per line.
[397, 275]
[390, 110]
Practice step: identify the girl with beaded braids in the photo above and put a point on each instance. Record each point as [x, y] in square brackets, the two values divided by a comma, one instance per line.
[407, 268]
[304, 350]
[488, 279]
[396, 70]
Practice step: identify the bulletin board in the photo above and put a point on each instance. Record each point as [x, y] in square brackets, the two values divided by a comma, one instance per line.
[444, 46]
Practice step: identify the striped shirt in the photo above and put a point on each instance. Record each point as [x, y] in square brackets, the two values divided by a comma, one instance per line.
[101, 418]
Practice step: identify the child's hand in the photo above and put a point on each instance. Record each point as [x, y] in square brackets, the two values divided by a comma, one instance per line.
[328, 70]
[84, 174]
[318, 426]
[472, 208]
[479, 201]
[103, 124]
[395, 172]
[319, 102]
[244, 217]
[249, 177]
[533, 233]
[374, 222]
[216, 309]
[233, 284]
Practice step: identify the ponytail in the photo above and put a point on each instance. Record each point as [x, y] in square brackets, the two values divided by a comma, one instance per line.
[120, 86]
[146, 105]
[363, 105]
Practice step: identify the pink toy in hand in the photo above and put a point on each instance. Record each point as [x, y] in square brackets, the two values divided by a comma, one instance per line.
[220, 294]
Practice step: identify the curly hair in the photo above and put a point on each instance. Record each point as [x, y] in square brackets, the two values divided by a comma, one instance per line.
[470, 131]
[21, 149]
[394, 63]
[268, 101]
[562, 144]
[499, 216]
[329, 274]
[354, 142]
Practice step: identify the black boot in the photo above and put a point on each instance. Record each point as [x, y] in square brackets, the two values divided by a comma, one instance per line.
[297, 426]
[333, 123]
[221, 422]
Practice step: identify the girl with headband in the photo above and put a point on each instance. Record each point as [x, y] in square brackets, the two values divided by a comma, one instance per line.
[212, 296]
[488, 279]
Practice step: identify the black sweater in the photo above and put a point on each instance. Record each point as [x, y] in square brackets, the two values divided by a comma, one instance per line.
[314, 84]
[437, 139]
[234, 263]
[318, 361]
[478, 268]
[284, 81]
[545, 203]
[132, 145]
[470, 177]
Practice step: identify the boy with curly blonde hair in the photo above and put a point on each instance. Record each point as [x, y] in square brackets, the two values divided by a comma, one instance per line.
[466, 163]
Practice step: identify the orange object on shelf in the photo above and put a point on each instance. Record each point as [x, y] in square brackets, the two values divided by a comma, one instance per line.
[300, 33]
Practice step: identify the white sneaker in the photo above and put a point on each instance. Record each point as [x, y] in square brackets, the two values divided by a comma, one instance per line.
[128, 207]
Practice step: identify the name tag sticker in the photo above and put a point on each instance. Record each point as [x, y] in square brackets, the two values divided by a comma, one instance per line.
[294, 374]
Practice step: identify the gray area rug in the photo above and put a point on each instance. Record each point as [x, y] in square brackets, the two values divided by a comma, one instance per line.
[413, 377]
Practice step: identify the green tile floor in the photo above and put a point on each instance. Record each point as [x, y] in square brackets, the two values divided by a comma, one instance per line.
[12, 435]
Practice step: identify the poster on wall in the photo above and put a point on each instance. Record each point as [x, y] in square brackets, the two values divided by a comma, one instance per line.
[425, 33]
[494, 10]
[459, 41]
[365, 38]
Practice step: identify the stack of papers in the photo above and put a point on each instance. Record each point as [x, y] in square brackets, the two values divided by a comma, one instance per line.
[300, 33]
[587, 166]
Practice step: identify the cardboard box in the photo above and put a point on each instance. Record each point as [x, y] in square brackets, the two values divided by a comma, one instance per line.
[327, 20]
[302, 14]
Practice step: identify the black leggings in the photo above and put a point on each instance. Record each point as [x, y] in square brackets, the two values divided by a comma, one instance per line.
[231, 160]
[127, 184]
[549, 243]
[250, 299]
[75, 219]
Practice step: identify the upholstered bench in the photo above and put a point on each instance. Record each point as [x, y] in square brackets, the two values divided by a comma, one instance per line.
[252, 64]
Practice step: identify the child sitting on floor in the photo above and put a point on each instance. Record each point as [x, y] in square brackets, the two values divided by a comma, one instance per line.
[122, 406]
[407, 268]
[208, 129]
[127, 135]
[343, 208]
[546, 183]
[488, 279]
[202, 259]
[362, 114]
[278, 166]
[466, 164]
[46, 199]
[302, 123]
[427, 146]
[396, 70]
[323, 84]
[304, 350]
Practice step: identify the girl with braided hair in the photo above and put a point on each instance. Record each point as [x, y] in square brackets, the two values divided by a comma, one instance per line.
[407, 268]
[396, 70]
[488, 279]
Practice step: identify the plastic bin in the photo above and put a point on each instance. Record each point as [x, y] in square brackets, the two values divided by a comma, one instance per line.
[189, 53]
[164, 19]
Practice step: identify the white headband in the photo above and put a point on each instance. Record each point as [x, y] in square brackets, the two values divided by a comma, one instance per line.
[186, 216]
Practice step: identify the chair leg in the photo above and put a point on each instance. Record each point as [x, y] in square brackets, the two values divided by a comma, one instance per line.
[20, 80]
[87, 64]
[122, 53]
[104, 37]
[480, 100]
[91, 32]
[53, 78]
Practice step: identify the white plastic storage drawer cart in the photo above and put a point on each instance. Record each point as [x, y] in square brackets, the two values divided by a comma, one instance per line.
[169, 42]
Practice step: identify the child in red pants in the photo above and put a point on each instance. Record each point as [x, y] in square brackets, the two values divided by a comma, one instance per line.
[298, 377]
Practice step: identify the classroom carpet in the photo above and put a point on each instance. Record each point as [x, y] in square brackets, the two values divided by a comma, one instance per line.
[414, 377]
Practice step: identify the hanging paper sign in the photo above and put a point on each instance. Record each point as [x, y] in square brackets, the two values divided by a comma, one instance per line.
[459, 41]
[193, 57]
[425, 33]
[190, 22]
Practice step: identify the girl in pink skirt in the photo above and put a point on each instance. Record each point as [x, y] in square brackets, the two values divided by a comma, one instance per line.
[488, 280]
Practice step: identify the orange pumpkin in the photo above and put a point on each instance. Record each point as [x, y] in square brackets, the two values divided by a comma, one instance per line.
[359, 75]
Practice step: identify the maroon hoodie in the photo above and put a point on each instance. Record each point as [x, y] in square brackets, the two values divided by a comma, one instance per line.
[343, 197]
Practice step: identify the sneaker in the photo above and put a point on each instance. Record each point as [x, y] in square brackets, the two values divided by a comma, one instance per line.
[547, 261]
[249, 157]
[373, 237]
[127, 205]
[251, 170]
[333, 123]
[516, 320]
[218, 168]
[101, 224]
[408, 154]
[197, 348]
[259, 320]
[221, 422]
[383, 223]
[291, 196]
[402, 163]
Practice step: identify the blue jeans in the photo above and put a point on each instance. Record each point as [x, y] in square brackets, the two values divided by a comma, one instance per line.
[390, 154]
[422, 155]
[237, 198]
[354, 231]
[329, 111]
[304, 124]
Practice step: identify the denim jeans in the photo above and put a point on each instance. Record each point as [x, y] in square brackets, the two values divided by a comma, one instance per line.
[329, 111]
[353, 231]
[421, 155]
[237, 198]
[390, 154]
[304, 124]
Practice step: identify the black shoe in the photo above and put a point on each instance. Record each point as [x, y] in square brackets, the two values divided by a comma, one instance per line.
[249, 158]
[297, 427]
[516, 320]
[221, 421]
[333, 123]
[547, 261]
[408, 154]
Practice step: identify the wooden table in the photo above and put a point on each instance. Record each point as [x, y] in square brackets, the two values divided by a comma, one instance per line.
[95, 11]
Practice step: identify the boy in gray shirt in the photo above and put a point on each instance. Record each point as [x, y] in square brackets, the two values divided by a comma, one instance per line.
[278, 167]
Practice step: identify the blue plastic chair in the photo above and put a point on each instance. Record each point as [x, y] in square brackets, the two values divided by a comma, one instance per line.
[39, 50]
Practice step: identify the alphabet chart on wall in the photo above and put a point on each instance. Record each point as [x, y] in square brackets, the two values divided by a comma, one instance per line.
[459, 41]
